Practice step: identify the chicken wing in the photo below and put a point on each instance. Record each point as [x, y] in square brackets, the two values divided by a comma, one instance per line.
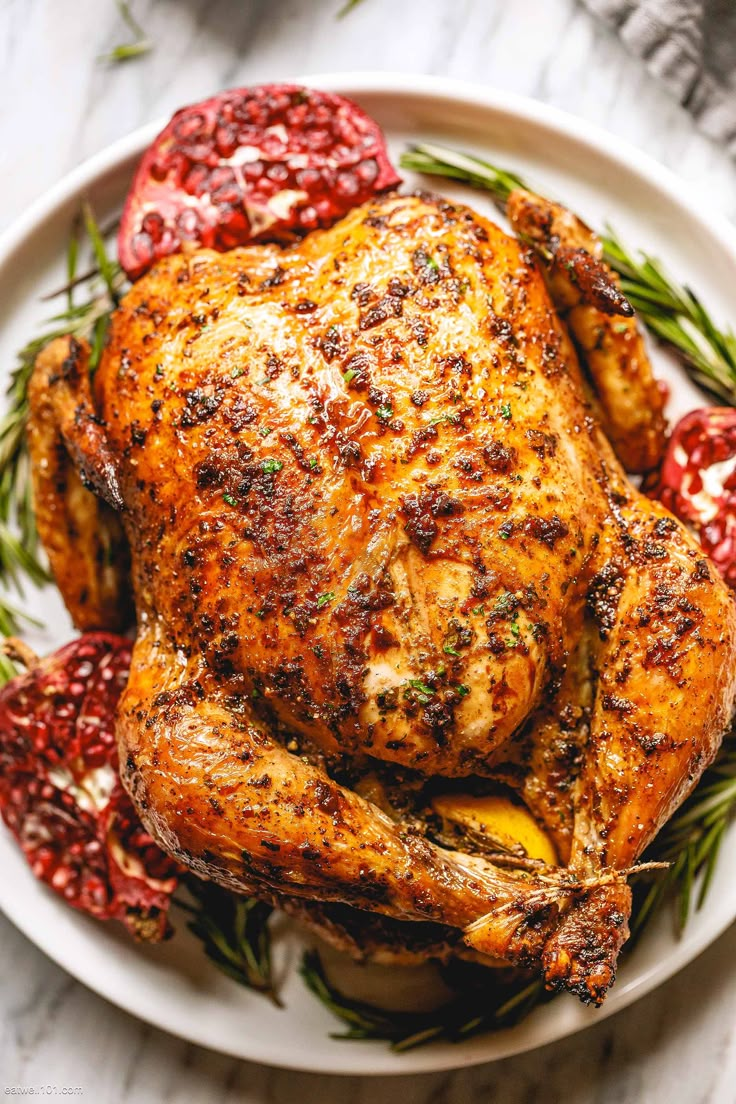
[80, 531]
[586, 293]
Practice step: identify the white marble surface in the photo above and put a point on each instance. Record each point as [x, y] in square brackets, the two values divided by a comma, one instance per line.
[58, 105]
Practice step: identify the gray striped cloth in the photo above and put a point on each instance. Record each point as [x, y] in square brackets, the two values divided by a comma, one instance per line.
[691, 46]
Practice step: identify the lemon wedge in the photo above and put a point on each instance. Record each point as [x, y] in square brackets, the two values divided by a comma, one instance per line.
[501, 821]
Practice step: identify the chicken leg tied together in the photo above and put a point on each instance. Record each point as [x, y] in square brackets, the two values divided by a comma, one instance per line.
[226, 799]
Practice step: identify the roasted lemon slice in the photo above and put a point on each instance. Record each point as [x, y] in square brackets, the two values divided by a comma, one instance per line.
[502, 823]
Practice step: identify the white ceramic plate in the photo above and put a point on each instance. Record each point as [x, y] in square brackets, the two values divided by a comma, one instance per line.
[174, 986]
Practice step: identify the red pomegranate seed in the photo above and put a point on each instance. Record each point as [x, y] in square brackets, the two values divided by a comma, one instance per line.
[286, 159]
[153, 225]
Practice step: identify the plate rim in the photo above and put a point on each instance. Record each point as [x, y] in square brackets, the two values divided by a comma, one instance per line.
[682, 194]
[575, 127]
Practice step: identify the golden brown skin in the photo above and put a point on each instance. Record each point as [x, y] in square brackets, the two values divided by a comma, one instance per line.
[373, 521]
[586, 293]
[82, 535]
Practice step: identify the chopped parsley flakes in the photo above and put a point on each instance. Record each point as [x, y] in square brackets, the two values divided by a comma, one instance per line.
[421, 692]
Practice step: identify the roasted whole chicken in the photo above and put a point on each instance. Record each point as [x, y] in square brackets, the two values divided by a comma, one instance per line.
[384, 559]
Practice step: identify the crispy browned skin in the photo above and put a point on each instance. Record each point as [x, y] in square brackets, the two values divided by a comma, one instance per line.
[370, 512]
[586, 293]
[82, 535]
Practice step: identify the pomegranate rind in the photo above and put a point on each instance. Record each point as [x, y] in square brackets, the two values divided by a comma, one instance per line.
[60, 791]
[267, 163]
[698, 481]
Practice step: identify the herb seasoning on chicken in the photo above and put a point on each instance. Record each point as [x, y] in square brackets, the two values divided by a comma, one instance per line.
[372, 518]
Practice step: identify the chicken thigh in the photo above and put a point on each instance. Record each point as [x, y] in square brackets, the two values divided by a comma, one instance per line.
[375, 529]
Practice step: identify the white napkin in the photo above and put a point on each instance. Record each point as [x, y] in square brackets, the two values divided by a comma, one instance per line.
[691, 46]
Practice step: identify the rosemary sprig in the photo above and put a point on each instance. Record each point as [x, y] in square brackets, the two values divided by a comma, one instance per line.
[475, 1009]
[108, 269]
[140, 45]
[19, 558]
[437, 160]
[677, 317]
[691, 843]
[235, 934]
[673, 313]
